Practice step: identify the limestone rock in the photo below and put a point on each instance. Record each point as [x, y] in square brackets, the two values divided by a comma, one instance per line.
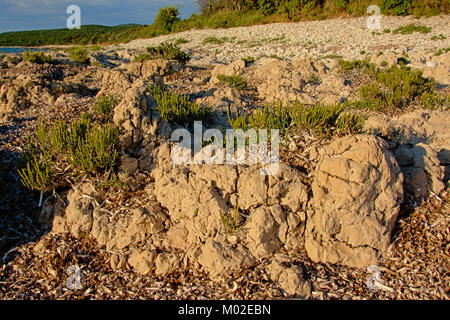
[118, 261]
[218, 258]
[289, 278]
[420, 141]
[142, 261]
[357, 192]
[151, 68]
[21, 91]
[262, 231]
[128, 164]
[279, 81]
[440, 73]
[233, 69]
[115, 83]
[167, 262]
[136, 114]
[80, 209]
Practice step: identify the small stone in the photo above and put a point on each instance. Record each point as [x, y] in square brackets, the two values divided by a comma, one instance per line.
[128, 164]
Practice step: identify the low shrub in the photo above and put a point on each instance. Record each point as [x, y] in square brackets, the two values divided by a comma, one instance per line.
[396, 7]
[346, 65]
[320, 119]
[214, 40]
[248, 60]
[66, 150]
[434, 101]
[267, 7]
[105, 105]
[175, 108]
[439, 37]
[38, 57]
[232, 81]
[181, 41]
[395, 88]
[168, 51]
[411, 28]
[231, 222]
[79, 54]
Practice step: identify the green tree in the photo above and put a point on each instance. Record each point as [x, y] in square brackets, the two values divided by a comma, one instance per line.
[166, 18]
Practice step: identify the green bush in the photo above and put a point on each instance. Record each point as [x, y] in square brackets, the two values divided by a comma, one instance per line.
[37, 57]
[267, 7]
[393, 88]
[349, 123]
[275, 116]
[79, 54]
[96, 152]
[232, 81]
[320, 119]
[166, 18]
[66, 150]
[439, 37]
[105, 105]
[396, 7]
[164, 51]
[434, 101]
[412, 28]
[175, 108]
[346, 65]
[181, 41]
[214, 40]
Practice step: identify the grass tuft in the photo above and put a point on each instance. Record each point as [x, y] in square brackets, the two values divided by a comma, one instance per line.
[168, 51]
[214, 40]
[175, 108]
[105, 105]
[67, 150]
[320, 119]
[232, 81]
[37, 57]
[79, 54]
[411, 28]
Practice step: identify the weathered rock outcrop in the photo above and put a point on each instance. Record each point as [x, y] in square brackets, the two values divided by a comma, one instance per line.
[115, 83]
[357, 192]
[279, 81]
[151, 68]
[192, 226]
[198, 198]
[233, 69]
[290, 278]
[288, 82]
[420, 141]
[19, 92]
[221, 219]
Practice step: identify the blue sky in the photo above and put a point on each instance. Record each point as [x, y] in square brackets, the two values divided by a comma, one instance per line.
[16, 15]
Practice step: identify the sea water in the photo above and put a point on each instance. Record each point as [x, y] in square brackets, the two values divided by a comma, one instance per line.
[18, 49]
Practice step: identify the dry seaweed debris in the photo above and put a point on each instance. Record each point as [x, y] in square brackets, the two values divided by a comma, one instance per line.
[417, 268]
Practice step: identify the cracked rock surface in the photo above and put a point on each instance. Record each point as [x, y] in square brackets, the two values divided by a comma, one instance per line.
[357, 192]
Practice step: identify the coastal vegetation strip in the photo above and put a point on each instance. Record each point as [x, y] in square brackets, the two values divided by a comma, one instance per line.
[223, 14]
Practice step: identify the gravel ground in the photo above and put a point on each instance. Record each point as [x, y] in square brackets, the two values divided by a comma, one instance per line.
[342, 37]
[417, 268]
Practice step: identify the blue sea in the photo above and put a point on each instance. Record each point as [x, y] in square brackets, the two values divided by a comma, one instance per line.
[18, 49]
